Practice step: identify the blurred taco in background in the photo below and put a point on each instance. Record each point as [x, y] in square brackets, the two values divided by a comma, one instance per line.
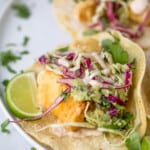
[90, 17]
[89, 92]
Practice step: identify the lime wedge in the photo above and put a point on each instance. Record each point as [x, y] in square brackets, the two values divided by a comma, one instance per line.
[21, 95]
[145, 143]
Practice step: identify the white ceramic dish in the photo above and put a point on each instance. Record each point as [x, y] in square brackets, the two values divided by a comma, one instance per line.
[44, 34]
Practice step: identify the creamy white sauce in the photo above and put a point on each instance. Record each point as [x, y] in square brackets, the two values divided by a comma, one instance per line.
[80, 133]
[138, 6]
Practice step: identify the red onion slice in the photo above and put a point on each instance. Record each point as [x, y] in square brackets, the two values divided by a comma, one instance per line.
[88, 63]
[70, 56]
[110, 14]
[113, 111]
[115, 99]
[48, 110]
[43, 60]
[66, 81]
[127, 77]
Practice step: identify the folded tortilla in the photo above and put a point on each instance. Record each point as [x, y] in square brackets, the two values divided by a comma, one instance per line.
[65, 14]
[95, 142]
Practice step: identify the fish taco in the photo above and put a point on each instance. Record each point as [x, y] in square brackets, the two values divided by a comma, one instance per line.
[90, 17]
[89, 93]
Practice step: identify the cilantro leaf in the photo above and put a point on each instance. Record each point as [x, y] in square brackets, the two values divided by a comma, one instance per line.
[7, 56]
[133, 141]
[24, 52]
[119, 55]
[64, 49]
[65, 94]
[5, 82]
[106, 44]
[4, 126]
[25, 41]
[10, 69]
[22, 10]
[33, 148]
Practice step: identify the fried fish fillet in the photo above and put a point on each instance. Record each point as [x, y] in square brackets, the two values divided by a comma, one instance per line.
[49, 89]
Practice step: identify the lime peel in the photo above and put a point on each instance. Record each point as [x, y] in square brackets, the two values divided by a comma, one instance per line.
[21, 95]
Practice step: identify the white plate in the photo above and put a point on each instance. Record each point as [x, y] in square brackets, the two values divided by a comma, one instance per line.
[44, 33]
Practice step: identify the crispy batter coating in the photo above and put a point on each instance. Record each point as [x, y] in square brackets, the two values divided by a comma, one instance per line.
[49, 89]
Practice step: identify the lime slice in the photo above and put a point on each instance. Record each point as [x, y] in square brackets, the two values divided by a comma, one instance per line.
[21, 95]
[145, 143]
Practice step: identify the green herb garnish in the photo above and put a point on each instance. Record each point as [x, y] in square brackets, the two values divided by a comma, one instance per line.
[133, 141]
[5, 82]
[65, 94]
[90, 32]
[25, 41]
[119, 55]
[7, 57]
[22, 10]
[33, 148]
[4, 126]
[24, 52]
[10, 69]
[64, 49]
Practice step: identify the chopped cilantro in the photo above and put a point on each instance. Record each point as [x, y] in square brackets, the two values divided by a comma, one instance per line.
[90, 32]
[25, 41]
[133, 141]
[10, 69]
[24, 52]
[5, 82]
[65, 94]
[22, 10]
[4, 126]
[64, 49]
[119, 55]
[33, 148]
[7, 57]
[106, 44]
